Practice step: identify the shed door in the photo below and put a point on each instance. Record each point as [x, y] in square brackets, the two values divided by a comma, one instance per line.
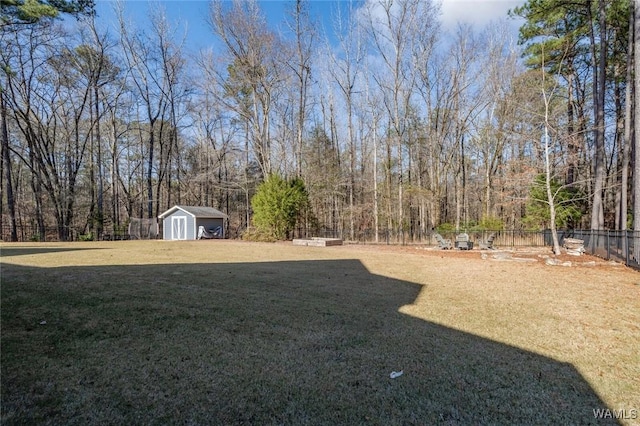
[178, 228]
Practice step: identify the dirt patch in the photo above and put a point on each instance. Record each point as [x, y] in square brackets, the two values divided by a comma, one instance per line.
[541, 255]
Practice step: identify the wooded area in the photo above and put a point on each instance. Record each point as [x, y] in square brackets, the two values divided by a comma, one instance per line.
[391, 122]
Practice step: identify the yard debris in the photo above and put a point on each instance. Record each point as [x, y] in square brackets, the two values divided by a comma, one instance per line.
[395, 374]
[574, 246]
[509, 257]
[502, 256]
[524, 259]
[556, 262]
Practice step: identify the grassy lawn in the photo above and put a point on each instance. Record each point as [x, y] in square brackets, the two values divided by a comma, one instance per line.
[224, 332]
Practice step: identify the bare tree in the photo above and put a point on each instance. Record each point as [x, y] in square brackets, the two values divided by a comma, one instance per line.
[393, 28]
[6, 157]
[253, 73]
[491, 136]
[345, 72]
[547, 97]
[305, 45]
[171, 66]
[91, 60]
[143, 55]
[50, 103]
[466, 101]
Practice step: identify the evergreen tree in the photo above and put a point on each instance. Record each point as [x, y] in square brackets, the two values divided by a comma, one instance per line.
[277, 205]
[567, 203]
[31, 11]
[583, 42]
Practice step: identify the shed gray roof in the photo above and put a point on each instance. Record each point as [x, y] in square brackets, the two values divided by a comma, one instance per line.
[202, 212]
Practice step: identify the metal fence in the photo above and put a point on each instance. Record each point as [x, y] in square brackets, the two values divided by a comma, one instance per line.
[510, 238]
[51, 233]
[33, 233]
[619, 246]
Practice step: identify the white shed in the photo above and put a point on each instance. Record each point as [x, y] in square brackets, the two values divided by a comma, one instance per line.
[182, 222]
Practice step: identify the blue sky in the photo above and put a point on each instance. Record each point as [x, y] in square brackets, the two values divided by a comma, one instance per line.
[190, 15]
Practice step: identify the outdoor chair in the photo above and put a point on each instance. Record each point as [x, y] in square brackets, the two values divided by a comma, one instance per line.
[444, 244]
[488, 245]
[463, 242]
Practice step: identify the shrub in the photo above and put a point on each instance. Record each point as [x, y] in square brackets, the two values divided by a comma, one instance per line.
[446, 227]
[491, 223]
[258, 235]
[86, 237]
[277, 206]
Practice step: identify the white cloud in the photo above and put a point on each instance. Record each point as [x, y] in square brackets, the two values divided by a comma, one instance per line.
[476, 12]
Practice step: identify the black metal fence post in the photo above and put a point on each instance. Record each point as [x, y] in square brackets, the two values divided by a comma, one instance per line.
[626, 248]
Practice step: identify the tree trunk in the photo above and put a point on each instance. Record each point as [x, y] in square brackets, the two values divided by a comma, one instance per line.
[550, 195]
[624, 180]
[100, 200]
[303, 72]
[150, 169]
[7, 166]
[352, 163]
[375, 178]
[572, 147]
[92, 174]
[636, 143]
[599, 86]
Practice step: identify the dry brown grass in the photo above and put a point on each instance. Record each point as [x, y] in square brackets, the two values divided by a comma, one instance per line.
[233, 332]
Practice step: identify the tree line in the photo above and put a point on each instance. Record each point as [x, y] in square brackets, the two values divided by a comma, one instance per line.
[389, 120]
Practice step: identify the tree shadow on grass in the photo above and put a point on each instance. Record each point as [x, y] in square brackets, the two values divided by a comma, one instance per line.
[309, 342]
[8, 251]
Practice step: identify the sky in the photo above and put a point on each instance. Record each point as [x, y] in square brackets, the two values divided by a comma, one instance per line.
[476, 12]
[190, 15]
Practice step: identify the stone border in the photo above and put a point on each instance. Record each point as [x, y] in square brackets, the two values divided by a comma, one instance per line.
[317, 242]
